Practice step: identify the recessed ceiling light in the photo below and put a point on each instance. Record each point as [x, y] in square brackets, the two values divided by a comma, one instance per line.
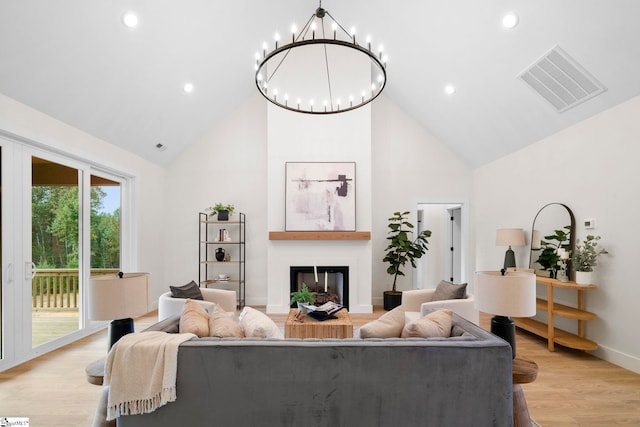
[188, 87]
[449, 89]
[130, 19]
[510, 20]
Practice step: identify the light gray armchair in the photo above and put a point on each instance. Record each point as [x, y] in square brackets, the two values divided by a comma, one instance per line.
[417, 303]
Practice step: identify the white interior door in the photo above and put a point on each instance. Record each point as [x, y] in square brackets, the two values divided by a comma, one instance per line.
[445, 259]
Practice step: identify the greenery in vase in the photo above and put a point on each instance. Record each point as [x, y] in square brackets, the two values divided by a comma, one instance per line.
[586, 254]
[549, 257]
[303, 295]
[221, 207]
[401, 248]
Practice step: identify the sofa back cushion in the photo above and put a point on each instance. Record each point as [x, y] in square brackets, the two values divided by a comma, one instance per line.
[389, 325]
[436, 324]
[223, 324]
[194, 319]
[256, 324]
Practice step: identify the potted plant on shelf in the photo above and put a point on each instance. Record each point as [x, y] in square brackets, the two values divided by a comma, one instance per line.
[223, 211]
[401, 250]
[584, 258]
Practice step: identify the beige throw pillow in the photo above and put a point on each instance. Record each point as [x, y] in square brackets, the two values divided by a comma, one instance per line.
[224, 325]
[389, 325]
[436, 324]
[194, 319]
[256, 324]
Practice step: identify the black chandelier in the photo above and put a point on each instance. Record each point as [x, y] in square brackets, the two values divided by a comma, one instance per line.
[322, 70]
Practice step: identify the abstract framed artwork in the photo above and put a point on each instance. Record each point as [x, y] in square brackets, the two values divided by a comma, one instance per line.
[320, 196]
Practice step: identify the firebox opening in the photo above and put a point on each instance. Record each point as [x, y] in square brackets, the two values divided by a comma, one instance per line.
[337, 282]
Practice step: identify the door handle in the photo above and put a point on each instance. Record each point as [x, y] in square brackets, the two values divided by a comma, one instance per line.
[9, 273]
[29, 270]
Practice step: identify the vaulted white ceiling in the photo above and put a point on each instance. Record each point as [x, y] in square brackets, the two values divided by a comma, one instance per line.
[74, 60]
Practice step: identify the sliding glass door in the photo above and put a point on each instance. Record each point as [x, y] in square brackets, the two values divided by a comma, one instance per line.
[60, 221]
[55, 249]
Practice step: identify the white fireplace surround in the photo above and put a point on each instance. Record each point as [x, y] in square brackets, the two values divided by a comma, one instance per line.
[353, 254]
[295, 137]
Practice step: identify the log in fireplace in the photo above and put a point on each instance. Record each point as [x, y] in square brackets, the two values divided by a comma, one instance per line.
[337, 282]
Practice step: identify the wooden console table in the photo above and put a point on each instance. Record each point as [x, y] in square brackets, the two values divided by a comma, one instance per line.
[308, 327]
[548, 330]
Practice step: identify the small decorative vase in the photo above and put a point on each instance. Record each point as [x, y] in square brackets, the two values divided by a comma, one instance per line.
[220, 254]
[583, 278]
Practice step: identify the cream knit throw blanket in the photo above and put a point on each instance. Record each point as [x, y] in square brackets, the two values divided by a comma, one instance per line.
[141, 372]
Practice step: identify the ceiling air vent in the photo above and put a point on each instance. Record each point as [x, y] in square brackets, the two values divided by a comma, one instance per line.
[160, 147]
[559, 79]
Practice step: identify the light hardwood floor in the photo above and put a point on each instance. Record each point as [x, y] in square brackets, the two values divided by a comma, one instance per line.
[573, 388]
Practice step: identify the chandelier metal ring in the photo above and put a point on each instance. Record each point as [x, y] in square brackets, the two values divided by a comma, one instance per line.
[271, 61]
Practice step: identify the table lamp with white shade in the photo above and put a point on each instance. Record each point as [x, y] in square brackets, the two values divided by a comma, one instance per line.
[119, 298]
[510, 237]
[505, 294]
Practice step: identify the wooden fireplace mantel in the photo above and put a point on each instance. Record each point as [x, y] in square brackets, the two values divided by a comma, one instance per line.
[319, 235]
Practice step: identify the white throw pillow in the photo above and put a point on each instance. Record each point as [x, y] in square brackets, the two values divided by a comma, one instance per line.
[256, 324]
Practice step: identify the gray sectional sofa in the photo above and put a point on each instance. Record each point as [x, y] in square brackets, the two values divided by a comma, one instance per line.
[464, 380]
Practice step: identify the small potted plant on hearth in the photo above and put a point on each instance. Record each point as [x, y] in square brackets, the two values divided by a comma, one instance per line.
[584, 258]
[302, 296]
[224, 211]
[401, 250]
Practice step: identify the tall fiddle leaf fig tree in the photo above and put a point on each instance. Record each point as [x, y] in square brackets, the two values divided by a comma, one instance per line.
[402, 247]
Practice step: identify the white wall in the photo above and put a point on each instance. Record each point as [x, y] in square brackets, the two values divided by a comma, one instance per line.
[591, 167]
[149, 178]
[229, 165]
[409, 166]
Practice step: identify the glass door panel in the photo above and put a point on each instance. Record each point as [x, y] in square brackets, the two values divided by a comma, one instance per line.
[55, 250]
[105, 225]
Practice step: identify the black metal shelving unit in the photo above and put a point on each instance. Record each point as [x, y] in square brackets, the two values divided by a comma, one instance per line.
[211, 237]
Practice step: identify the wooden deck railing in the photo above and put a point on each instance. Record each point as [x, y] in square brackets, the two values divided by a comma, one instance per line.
[58, 288]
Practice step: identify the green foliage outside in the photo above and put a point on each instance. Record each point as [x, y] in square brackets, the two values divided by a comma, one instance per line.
[55, 229]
